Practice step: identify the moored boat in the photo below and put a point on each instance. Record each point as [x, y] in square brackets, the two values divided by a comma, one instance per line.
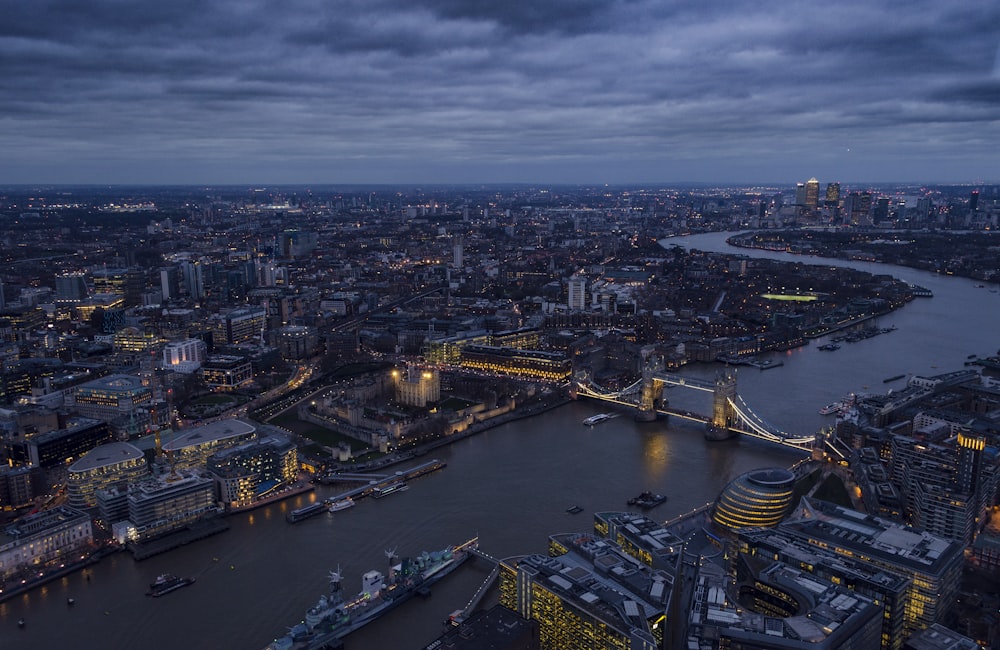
[166, 583]
[392, 488]
[341, 504]
[334, 616]
[305, 512]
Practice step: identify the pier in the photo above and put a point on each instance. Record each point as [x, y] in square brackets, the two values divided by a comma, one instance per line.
[384, 481]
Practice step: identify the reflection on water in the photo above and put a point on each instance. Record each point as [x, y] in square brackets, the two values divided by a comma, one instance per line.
[655, 453]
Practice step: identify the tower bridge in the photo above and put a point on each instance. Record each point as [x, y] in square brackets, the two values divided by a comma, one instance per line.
[730, 416]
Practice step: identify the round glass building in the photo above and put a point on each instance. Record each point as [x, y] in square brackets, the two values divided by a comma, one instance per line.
[759, 498]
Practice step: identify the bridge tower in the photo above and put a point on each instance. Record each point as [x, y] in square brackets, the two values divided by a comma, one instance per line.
[723, 413]
[652, 390]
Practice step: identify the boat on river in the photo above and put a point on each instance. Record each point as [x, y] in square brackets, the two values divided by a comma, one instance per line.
[305, 512]
[341, 504]
[166, 583]
[335, 615]
[596, 419]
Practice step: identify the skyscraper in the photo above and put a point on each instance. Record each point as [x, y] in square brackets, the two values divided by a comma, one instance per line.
[812, 193]
[577, 293]
[832, 195]
[974, 201]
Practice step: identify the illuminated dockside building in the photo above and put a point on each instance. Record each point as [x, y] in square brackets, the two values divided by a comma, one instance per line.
[588, 594]
[553, 366]
[248, 471]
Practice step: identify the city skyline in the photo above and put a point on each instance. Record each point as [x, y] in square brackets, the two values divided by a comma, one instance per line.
[443, 91]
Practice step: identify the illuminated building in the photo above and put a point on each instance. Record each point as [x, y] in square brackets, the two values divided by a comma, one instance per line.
[109, 281]
[109, 464]
[932, 564]
[760, 497]
[887, 589]
[779, 608]
[554, 366]
[590, 594]
[812, 194]
[576, 293]
[112, 398]
[947, 488]
[184, 356]
[238, 326]
[157, 506]
[226, 371]
[641, 537]
[191, 448]
[417, 387]
[46, 537]
[832, 198]
[250, 470]
[131, 339]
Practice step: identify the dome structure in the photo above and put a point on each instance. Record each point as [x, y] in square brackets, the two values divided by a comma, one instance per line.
[758, 498]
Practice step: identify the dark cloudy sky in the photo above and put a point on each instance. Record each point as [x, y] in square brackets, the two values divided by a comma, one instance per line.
[387, 91]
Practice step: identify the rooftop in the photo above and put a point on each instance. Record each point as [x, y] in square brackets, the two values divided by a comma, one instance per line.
[210, 432]
[109, 453]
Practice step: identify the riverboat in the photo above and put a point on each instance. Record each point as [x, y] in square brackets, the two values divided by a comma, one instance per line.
[166, 583]
[647, 500]
[596, 419]
[305, 512]
[341, 504]
[392, 488]
[830, 409]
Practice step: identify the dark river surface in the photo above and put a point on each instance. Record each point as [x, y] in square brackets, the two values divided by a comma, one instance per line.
[511, 486]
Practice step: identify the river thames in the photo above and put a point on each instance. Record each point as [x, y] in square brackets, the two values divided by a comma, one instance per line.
[511, 486]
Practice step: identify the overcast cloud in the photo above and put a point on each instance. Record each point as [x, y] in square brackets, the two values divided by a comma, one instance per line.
[386, 91]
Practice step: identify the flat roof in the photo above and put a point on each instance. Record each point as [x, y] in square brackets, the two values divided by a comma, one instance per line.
[213, 431]
[107, 454]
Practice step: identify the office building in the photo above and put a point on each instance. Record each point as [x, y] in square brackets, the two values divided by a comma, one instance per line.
[588, 595]
[832, 198]
[887, 589]
[190, 448]
[244, 325]
[157, 506]
[779, 608]
[71, 288]
[644, 539]
[113, 463]
[79, 436]
[812, 194]
[112, 397]
[226, 371]
[933, 564]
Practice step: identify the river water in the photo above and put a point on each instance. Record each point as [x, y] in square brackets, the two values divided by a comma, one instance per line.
[510, 485]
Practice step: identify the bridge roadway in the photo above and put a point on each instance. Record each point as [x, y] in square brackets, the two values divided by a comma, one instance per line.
[741, 418]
